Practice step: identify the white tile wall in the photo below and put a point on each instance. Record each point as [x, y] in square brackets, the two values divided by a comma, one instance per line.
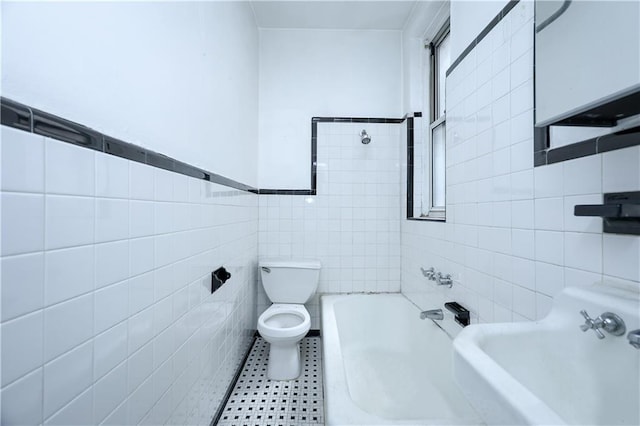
[511, 240]
[107, 316]
[24, 333]
[69, 221]
[25, 212]
[22, 400]
[60, 178]
[21, 274]
[353, 224]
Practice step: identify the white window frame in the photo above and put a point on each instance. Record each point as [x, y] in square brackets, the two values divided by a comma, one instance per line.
[434, 210]
[437, 212]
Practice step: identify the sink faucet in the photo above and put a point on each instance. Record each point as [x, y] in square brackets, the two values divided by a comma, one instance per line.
[609, 322]
[434, 314]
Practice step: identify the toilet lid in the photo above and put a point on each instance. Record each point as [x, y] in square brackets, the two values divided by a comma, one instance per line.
[283, 262]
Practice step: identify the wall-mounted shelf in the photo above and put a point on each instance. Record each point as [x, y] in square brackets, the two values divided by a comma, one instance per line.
[606, 114]
[462, 314]
[620, 212]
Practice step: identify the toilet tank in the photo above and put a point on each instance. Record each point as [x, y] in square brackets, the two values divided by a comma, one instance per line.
[289, 280]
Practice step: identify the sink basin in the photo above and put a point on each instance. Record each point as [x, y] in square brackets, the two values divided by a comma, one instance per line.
[549, 372]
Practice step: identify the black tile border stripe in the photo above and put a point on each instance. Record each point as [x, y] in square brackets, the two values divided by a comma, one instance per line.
[499, 17]
[232, 384]
[58, 128]
[410, 158]
[540, 143]
[543, 155]
[357, 120]
[22, 117]
[287, 192]
[623, 139]
[314, 157]
[314, 149]
[125, 150]
[575, 150]
[19, 116]
[16, 115]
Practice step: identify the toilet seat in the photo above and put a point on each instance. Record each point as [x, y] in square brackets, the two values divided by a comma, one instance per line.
[284, 321]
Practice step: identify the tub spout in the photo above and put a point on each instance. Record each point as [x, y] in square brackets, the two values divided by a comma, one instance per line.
[434, 314]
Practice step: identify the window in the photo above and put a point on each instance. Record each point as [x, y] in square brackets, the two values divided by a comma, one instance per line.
[426, 137]
[439, 63]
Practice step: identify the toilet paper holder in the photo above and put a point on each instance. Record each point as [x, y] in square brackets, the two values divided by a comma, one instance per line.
[219, 277]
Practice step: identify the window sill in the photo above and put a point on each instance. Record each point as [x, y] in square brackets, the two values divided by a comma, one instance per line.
[428, 218]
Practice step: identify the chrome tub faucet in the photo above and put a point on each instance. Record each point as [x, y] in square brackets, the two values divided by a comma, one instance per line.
[634, 338]
[434, 314]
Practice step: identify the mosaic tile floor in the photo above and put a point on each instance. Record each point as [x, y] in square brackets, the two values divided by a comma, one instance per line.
[258, 401]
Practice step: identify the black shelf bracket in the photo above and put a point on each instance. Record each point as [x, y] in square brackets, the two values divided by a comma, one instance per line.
[620, 212]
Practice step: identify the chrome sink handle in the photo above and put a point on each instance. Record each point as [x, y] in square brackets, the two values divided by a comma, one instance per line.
[613, 324]
[608, 321]
[590, 324]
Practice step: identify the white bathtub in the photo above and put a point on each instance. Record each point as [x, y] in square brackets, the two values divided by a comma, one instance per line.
[385, 366]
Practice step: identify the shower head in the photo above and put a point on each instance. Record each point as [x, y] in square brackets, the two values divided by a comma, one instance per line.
[364, 137]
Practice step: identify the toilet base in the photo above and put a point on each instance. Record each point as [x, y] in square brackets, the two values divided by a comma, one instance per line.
[284, 362]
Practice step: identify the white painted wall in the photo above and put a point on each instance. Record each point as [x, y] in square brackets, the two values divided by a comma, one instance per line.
[180, 78]
[306, 73]
[468, 19]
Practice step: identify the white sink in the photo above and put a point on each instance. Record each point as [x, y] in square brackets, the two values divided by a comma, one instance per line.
[549, 372]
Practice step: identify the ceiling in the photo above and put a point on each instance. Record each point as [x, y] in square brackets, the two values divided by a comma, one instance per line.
[322, 14]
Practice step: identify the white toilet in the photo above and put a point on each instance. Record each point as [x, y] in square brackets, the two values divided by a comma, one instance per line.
[289, 284]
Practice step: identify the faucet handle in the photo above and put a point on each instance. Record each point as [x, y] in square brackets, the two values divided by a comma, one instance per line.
[588, 323]
[591, 324]
[429, 273]
[444, 279]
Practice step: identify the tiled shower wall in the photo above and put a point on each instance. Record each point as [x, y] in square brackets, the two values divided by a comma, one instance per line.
[353, 224]
[107, 315]
[511, 240]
